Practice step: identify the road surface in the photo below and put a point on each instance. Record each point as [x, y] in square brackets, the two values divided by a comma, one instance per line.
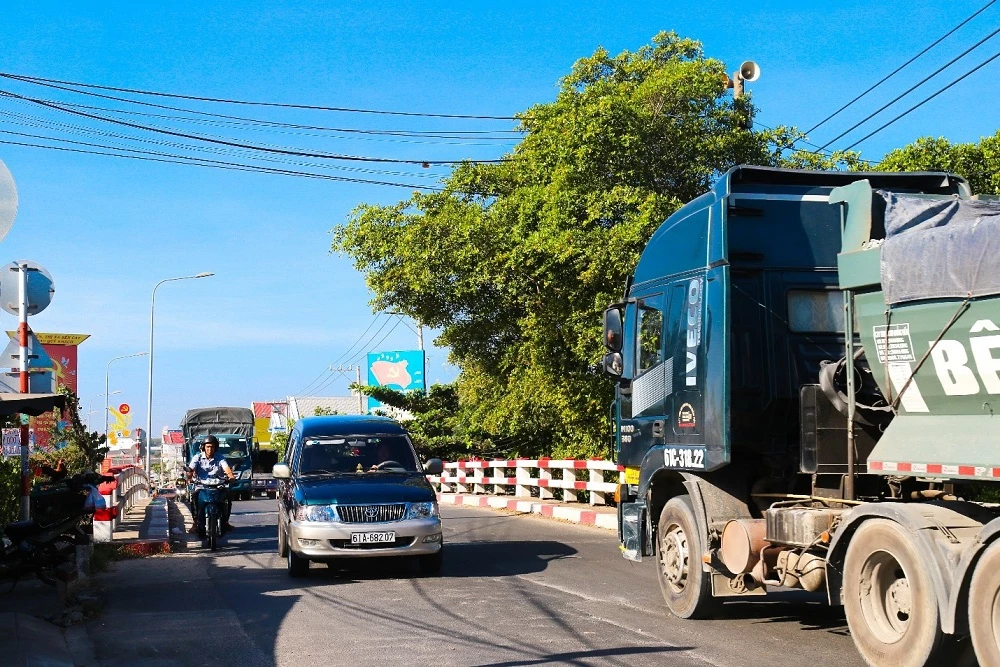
[515, 591]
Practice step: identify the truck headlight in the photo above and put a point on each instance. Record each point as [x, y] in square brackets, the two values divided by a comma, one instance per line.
[316, 513]
[422, 510]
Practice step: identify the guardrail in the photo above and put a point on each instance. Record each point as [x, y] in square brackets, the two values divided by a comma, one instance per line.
[471, 477]
[130, 484]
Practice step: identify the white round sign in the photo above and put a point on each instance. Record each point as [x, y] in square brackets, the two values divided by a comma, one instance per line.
[40, 287]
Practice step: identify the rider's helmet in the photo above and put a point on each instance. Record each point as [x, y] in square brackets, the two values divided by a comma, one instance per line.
[211, 440]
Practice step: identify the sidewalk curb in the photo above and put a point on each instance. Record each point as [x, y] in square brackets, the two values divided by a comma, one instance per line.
[600, 517]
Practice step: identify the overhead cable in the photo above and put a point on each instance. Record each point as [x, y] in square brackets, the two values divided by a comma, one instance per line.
[234, 143]
[927, 99]
[912, 88]
[898, 69]
[42, 81]
[154, 156]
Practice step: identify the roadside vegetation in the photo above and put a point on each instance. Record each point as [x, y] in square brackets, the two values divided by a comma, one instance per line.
[514, 262]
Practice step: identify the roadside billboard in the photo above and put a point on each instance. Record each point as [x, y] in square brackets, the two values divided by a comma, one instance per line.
[400, 370]
[62, 349]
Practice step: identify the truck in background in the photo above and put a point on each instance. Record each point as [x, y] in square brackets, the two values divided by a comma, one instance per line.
[234, 429]
[808, 396]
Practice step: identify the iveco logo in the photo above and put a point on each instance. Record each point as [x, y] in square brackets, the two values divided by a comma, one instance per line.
[371, 512]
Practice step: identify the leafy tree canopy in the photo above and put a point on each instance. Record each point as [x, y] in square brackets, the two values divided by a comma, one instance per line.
[979, 163]
[514, 262]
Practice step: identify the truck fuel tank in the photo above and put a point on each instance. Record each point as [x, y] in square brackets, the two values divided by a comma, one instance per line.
[798, 525]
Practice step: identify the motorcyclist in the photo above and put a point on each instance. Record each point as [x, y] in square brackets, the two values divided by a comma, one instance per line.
[209, 463]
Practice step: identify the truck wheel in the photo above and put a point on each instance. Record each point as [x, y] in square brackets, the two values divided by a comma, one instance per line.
[888, 597]
[685, 586]
[984, 606]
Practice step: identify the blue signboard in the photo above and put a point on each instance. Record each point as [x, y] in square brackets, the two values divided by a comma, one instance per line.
[403, 371]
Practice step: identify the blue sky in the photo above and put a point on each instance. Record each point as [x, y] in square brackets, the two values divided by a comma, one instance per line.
[280, 307]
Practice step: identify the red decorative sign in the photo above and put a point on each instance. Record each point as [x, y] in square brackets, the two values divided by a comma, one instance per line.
[124, 408]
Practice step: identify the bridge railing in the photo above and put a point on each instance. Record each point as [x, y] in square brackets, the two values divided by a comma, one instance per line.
[580, 480]
[129, 485]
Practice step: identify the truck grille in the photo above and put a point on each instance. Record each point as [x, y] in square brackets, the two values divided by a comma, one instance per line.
[370, 513]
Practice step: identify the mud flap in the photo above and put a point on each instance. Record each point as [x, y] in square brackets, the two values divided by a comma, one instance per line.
[632, 519]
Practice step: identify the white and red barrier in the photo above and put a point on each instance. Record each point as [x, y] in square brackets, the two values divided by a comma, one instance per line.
[129, 485]
[494, 478]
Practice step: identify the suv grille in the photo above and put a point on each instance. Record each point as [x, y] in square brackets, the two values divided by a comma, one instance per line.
[370, 513]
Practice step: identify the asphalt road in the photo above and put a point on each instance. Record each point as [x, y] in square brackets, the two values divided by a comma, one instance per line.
[515, 591]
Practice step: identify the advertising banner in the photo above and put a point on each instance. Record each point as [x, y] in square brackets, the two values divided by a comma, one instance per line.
[62, 348]
[403, 371]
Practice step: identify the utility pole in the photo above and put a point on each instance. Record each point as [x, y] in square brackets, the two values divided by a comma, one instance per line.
[361, 397]
[22, 339]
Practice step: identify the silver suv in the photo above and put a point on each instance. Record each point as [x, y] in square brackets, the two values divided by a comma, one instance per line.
[352, 487]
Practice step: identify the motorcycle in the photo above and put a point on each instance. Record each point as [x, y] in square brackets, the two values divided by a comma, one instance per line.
[41, 546]
[212, 496]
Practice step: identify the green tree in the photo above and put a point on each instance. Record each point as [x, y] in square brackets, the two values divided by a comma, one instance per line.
[80, 449]
[978, 162]
[436, 423]
[514, 262]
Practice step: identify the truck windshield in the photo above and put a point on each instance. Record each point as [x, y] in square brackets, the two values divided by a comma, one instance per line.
[351, 454]
[235, 448]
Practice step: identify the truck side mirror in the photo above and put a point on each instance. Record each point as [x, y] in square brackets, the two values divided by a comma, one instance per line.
[613, 329]
[613, 364]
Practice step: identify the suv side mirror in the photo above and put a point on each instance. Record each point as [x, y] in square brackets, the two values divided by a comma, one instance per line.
[281, 471]
[613, 329]
[434, 467]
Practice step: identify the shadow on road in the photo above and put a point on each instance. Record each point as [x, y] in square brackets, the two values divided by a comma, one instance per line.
[573, 656]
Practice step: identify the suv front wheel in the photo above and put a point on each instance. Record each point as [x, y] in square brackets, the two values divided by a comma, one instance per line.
[297, 565]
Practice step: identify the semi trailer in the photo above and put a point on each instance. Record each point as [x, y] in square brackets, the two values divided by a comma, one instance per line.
[807, 372]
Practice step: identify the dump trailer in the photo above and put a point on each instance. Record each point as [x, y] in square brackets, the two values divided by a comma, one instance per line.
[234, 429]
[808, 396]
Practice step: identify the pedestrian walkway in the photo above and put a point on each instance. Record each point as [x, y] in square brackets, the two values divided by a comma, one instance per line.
[147, 524]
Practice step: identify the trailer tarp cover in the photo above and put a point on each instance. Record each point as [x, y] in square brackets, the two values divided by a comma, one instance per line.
[939, 248]
[202, 421]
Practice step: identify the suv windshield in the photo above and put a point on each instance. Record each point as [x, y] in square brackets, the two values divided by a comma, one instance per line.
[351, 454]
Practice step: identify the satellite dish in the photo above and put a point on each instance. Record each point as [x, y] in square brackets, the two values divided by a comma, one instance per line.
[8, 200]
[40, 287]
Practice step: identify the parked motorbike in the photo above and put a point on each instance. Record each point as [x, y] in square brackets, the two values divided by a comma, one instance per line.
[43, 545]
[212, 497]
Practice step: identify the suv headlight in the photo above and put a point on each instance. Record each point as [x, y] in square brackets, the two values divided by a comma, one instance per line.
[316, 513]
[422, 510]
[246, 474]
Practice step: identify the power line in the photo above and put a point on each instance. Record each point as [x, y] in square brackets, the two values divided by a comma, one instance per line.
[42, 81]
[927, 99]
[154, 156]
[370, 325]
[233, 143]
[34, 121]
[357, 357]
[912, 88]
[438, 134]
[898, 69]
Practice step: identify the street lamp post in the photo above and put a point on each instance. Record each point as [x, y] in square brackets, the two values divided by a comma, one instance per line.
[149, 395]
[107, 380]
[90, 404]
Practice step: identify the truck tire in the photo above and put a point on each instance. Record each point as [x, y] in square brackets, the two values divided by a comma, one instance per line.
[685, 586]
[888, 598]
[984, 606]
